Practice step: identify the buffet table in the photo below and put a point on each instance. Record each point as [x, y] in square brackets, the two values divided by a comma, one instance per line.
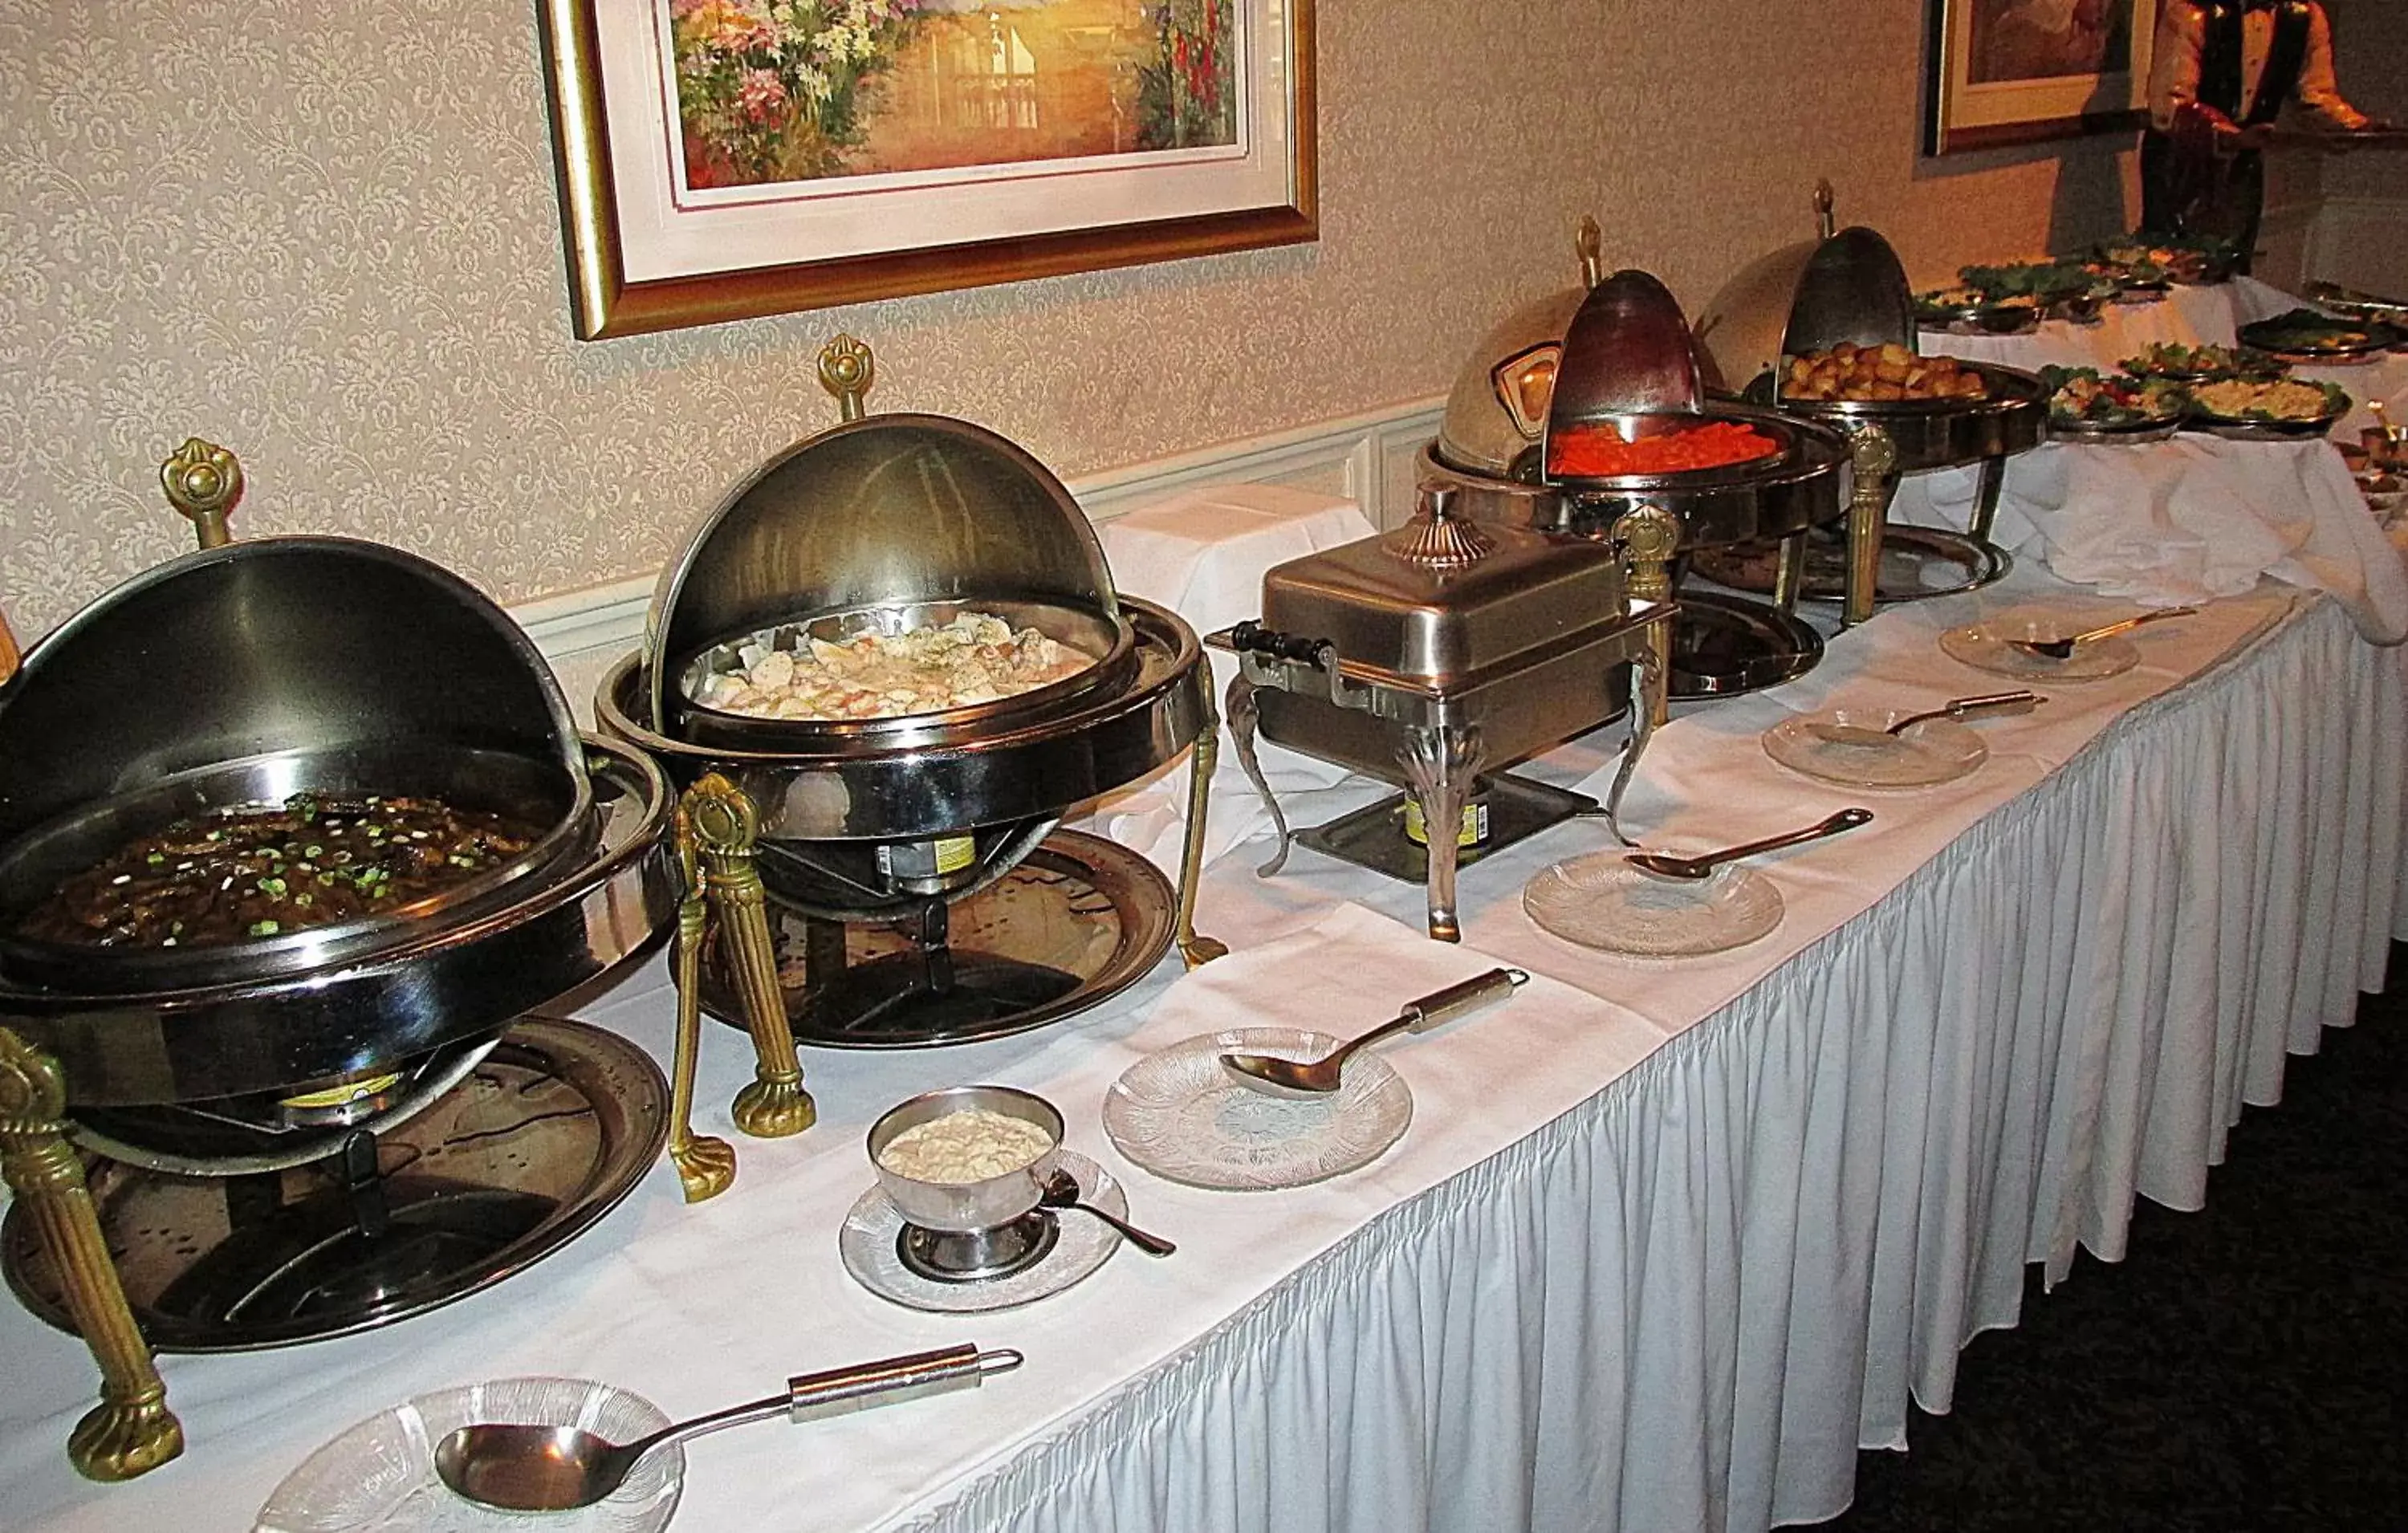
[1664, 1244]
[2198, 517]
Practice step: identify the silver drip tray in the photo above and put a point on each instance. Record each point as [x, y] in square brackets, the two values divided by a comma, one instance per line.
[1723, 646]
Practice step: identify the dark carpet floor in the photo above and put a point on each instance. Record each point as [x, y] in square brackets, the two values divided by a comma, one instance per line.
[2244, 1367]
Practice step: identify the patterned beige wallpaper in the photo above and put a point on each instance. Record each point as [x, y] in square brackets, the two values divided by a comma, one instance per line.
[325, 235]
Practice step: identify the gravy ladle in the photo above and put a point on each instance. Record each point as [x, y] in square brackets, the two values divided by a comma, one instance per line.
[559, 1468]
[2062, 649]
[1305, 1078]
[1699, 867]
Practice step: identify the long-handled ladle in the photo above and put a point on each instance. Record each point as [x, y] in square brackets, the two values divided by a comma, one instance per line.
[558, 1468]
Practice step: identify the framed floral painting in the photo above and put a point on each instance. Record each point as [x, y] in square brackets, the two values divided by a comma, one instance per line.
[722, 159]
[2017, 71]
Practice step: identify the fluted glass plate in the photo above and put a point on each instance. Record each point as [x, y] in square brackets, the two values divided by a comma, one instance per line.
[379, 1477]
[1853, 748]
[1604, 901]
[1988, 646]
[1180, 1114]
[1084, 1243]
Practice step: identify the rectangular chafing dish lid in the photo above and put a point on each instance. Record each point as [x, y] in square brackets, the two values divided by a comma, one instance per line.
[1387, 613]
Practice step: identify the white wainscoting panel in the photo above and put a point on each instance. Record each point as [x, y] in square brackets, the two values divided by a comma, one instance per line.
[2362, 242]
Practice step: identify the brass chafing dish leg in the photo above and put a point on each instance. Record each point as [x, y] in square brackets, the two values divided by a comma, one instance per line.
[1195, 950]
[132, 1431]
[726, 825]
[1243, 710]
[1650, 535]
[204, 481]
[1440, 764]
[1647, 698]
[1876, 465]
[704, 1164]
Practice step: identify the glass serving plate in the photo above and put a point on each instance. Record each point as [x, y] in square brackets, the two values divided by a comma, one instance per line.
[1988, 645]
[1604, 901]
[1834, 747]
[379, 1477]
[1181, 1115]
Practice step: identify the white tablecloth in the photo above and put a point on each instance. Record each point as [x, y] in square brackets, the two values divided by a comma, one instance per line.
[2198, 517]
[1664, 1244]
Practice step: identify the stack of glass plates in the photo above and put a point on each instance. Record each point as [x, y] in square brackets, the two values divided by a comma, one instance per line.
[1606, 902]
[1181, 1115]
[1989, 646]
[380, 1475]
[1853, 748]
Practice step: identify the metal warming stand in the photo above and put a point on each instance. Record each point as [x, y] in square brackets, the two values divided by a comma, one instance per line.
[889, 521]
[249, 671]
[1439, 654]
[1849, 286]
[1618, 350]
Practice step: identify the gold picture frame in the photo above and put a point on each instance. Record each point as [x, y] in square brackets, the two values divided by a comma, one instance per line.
[648, 251]
[2006, 72]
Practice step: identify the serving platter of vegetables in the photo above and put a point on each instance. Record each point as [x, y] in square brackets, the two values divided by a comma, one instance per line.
[2266, 409]
[2087, 406]
[2303, 334]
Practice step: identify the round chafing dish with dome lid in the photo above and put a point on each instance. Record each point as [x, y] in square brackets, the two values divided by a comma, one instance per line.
[1616, 355]
[863, 542]
[263, 1069]
[1849, 290]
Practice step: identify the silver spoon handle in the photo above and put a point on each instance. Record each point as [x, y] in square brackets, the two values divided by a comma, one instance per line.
[1439, 1006]
[1848, 819]
[836, 1390]
[1956, 708]
[2129, 623]
[1152, 1245]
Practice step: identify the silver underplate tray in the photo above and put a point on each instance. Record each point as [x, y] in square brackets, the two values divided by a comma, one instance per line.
[546, 1136]
[1080, 919]
[1916, 563]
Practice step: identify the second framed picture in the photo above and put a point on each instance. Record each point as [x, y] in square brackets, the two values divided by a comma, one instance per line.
[721, 159]
[2016, 71]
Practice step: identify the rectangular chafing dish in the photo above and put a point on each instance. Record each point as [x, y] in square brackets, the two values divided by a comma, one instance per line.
[1436, 655]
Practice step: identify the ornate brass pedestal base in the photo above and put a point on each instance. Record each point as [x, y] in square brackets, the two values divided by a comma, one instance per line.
[132, 1431]
[725, 828]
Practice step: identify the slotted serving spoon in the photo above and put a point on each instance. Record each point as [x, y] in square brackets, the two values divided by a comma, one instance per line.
[2062, 649]
[1958, 708]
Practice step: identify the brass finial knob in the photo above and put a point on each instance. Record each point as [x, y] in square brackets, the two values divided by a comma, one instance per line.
[204, 482]
[1826, 219]
[847, 370]
[1438, 538]
[1590, 243]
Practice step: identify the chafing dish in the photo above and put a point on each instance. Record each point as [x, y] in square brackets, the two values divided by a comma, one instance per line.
[246, 672]
[1850, 287]
[1617, 353]
[889, 521]
[1437, 655]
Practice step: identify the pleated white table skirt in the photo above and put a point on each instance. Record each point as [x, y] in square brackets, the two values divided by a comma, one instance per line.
[1742, 1213]
[1688, 1301]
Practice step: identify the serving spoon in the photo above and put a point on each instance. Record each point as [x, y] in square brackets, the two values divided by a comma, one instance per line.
[2062, 649]
[559, 1468]
[1699, 867]
[1302, 1078]
[1850, 734]
[1061, 1191]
